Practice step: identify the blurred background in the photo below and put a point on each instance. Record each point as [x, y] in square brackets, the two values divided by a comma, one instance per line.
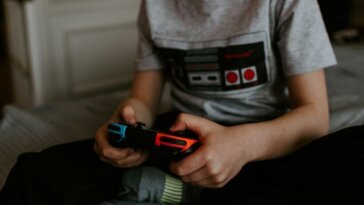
[57, 50]
[61, 50]
[5, 75]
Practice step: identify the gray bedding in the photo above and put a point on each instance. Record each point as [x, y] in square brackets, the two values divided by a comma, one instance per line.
[22, 131]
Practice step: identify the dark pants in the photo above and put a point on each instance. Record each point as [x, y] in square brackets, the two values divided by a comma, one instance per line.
[65, 174]
[327, 171]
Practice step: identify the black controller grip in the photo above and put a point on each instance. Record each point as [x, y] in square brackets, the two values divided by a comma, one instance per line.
[177, 145]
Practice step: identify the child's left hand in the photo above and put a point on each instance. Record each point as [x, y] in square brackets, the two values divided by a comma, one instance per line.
[219, 158]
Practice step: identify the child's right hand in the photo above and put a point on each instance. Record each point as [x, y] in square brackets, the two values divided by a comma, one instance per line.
[125, 157]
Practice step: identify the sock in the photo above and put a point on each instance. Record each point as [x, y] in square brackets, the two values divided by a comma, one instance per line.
[177, 192]
[173, 190]
[149, 184]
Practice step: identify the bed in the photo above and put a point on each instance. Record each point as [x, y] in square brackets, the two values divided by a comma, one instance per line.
[61, 122]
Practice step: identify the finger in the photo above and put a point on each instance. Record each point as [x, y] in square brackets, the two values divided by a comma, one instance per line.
[210, 169]
[197, 176]
[133, 159]
[211, 182]
[112, 153]
[114, 161]
[204, 177]
[128, 115]
[101, 141]
[190, 164]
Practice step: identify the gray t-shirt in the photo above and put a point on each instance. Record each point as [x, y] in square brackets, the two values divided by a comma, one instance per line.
[228, 60]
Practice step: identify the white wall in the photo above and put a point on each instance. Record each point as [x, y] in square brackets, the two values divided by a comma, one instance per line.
[66, 49]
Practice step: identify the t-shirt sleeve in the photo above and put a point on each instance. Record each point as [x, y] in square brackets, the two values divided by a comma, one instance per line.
[303, 41]
[146, 56]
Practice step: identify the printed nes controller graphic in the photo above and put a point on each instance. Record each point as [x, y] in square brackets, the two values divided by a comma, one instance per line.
[231, 77]
[230, 68]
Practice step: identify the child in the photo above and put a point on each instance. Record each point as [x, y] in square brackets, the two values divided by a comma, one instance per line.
[247, 77]
[229, 63]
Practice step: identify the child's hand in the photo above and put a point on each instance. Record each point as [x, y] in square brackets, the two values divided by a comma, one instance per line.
[219, 158]
[123, 158]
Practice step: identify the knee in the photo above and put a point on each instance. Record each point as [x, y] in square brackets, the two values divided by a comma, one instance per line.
[25, 168]
[20, 176]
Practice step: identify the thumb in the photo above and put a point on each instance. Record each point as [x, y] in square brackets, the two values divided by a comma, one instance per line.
[196, 124]
[128, 114]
